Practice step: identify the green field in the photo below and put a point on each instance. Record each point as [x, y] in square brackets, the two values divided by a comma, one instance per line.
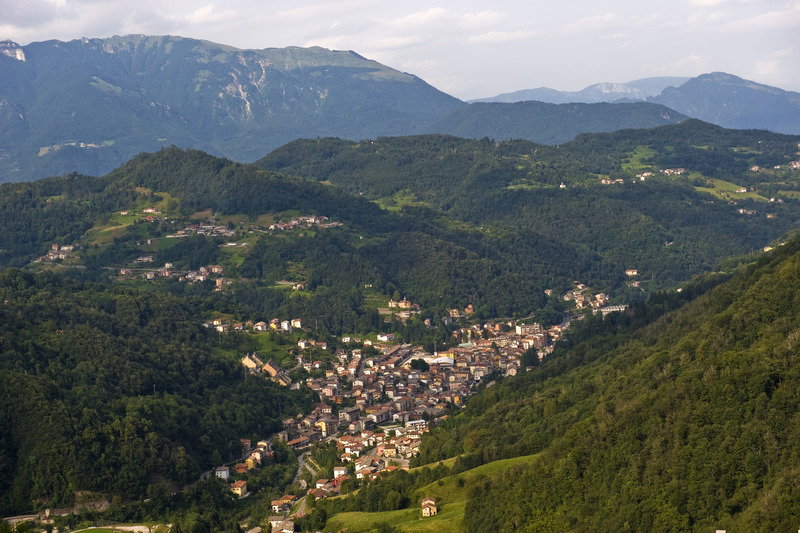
[725, 190]
[270, 348]
[451, 499]
[635, 163]
[399, 200]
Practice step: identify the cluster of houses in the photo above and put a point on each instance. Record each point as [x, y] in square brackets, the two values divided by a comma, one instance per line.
[168, 271]
[595, 302]
[252, 458]
[208, 230]
[304, 221]
[275, 324]
[598, 303]
[56, 252]
[793, 165]
[361, 392]
[401, 309]
[673, 171]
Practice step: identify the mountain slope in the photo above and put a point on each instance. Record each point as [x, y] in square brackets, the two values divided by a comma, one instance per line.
[666, 226]
[88, 105]
[733, 102]
[550, 123]
[107, 387]
[687, 424]
[719, 98]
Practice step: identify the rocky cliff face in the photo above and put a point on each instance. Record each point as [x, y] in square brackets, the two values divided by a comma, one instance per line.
[12, 49]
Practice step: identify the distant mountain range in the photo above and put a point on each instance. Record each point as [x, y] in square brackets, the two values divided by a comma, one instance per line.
[89, 105]
[719, 98]
[599, 92]
[733, 102]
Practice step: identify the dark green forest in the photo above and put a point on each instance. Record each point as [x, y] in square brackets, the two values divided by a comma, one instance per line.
[106, 386]
[678, 421]
[680, 414]
[663, 226]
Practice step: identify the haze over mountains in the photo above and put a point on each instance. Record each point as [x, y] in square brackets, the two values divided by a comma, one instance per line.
[598, 92]
[718, 98]
[89, 105]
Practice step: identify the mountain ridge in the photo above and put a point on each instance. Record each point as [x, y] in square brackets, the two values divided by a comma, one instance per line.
[90, 104]
[597, 92]
[717, 97]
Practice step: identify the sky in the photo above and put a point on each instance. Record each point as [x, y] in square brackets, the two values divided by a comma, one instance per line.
[466, 48]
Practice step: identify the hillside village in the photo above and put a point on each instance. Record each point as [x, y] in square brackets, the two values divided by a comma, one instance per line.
[376, 407]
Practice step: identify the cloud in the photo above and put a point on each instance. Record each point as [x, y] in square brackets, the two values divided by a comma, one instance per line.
[207, 15]
[701, 4]
[501, 36]
[788, 18]
[484, 18]
[595, 22]
[707, 3]
[423, 18]
[310, 12]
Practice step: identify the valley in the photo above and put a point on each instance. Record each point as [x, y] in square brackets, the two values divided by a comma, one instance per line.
[594, 334]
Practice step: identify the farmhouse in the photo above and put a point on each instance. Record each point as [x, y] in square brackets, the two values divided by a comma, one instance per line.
[429, 507]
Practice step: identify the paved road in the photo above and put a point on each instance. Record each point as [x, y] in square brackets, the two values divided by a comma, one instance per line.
[301, 463]
[301, 510]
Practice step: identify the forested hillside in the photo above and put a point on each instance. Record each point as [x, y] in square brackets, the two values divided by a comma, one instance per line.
[615, 203]
[687, 424]
[105, 387]
[114, 387]
[550, 123]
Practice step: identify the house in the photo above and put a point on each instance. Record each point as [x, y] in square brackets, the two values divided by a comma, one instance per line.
[281, 506]
[272, 368]
[284, 504]
[285, 526]
[349, 414]
[240, 468]
[252, 362]
[429, 507]
[339, 472]
[239, 487]
[223, 472]
[326, 426]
